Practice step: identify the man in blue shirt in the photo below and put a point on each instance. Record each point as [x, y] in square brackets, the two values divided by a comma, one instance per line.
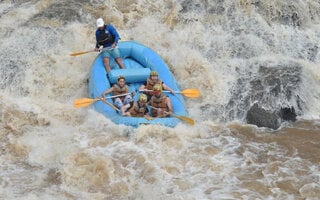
[107, 37]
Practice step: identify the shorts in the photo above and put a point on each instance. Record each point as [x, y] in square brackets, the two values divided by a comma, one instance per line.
[118, 103]
[115, 53]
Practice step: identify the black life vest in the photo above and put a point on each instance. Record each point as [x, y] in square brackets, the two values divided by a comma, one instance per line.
[105, 37]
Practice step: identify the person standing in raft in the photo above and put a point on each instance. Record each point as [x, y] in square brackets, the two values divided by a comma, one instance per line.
[136, 109]
[151, 81]
[121, 89]
[108, 37]
[160, 104]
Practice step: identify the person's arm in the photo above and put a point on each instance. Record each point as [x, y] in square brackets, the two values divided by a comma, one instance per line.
[97, 45]
[124, 110]
[168, 102]
[146, 113]
[115, 34]
[165, 87]
[143, 86]
[107, 92]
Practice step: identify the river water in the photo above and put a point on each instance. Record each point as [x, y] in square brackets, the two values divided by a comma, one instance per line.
[50, 150]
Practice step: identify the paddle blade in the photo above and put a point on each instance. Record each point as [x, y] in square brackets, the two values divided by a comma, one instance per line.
[185, 119]
[80, 53]
[193, 93]
[83, 102]
[149, 118]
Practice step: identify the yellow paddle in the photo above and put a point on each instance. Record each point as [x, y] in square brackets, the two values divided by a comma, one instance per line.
[193, 93]
[84, 52]
[84, 102]
[109, 104]
[182, 118]
[80, 53]
[149, 118]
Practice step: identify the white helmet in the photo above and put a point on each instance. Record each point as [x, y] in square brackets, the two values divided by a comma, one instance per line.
[100, 22]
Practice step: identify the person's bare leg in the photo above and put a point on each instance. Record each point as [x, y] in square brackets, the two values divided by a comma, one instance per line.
[107, 64]
[119, 61]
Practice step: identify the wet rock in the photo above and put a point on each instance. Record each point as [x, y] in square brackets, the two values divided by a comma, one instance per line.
[65, 11]
[270, 119]
[288, 114]
[283, 13]
[262, 118]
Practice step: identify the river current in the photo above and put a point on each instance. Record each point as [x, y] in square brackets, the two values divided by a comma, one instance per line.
[51, 150]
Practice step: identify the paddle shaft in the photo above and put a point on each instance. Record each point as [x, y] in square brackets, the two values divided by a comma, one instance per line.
[79, 103]
[192, 93]
[109, 104]
[158, 109]
[119, 95]
[84, 52]
[162, 91]
[81, 53]
[83, 102]
[183, 118]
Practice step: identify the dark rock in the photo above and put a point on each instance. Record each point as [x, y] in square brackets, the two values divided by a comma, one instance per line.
[64, 11]
[263, 118]
[288, 114]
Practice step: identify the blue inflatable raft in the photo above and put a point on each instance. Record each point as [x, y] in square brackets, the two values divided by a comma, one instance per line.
[139, 61]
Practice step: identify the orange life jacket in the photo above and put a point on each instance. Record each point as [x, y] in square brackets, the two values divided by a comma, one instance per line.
[158, 102]
[137, 111]
[118, 90]
[150, 85]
